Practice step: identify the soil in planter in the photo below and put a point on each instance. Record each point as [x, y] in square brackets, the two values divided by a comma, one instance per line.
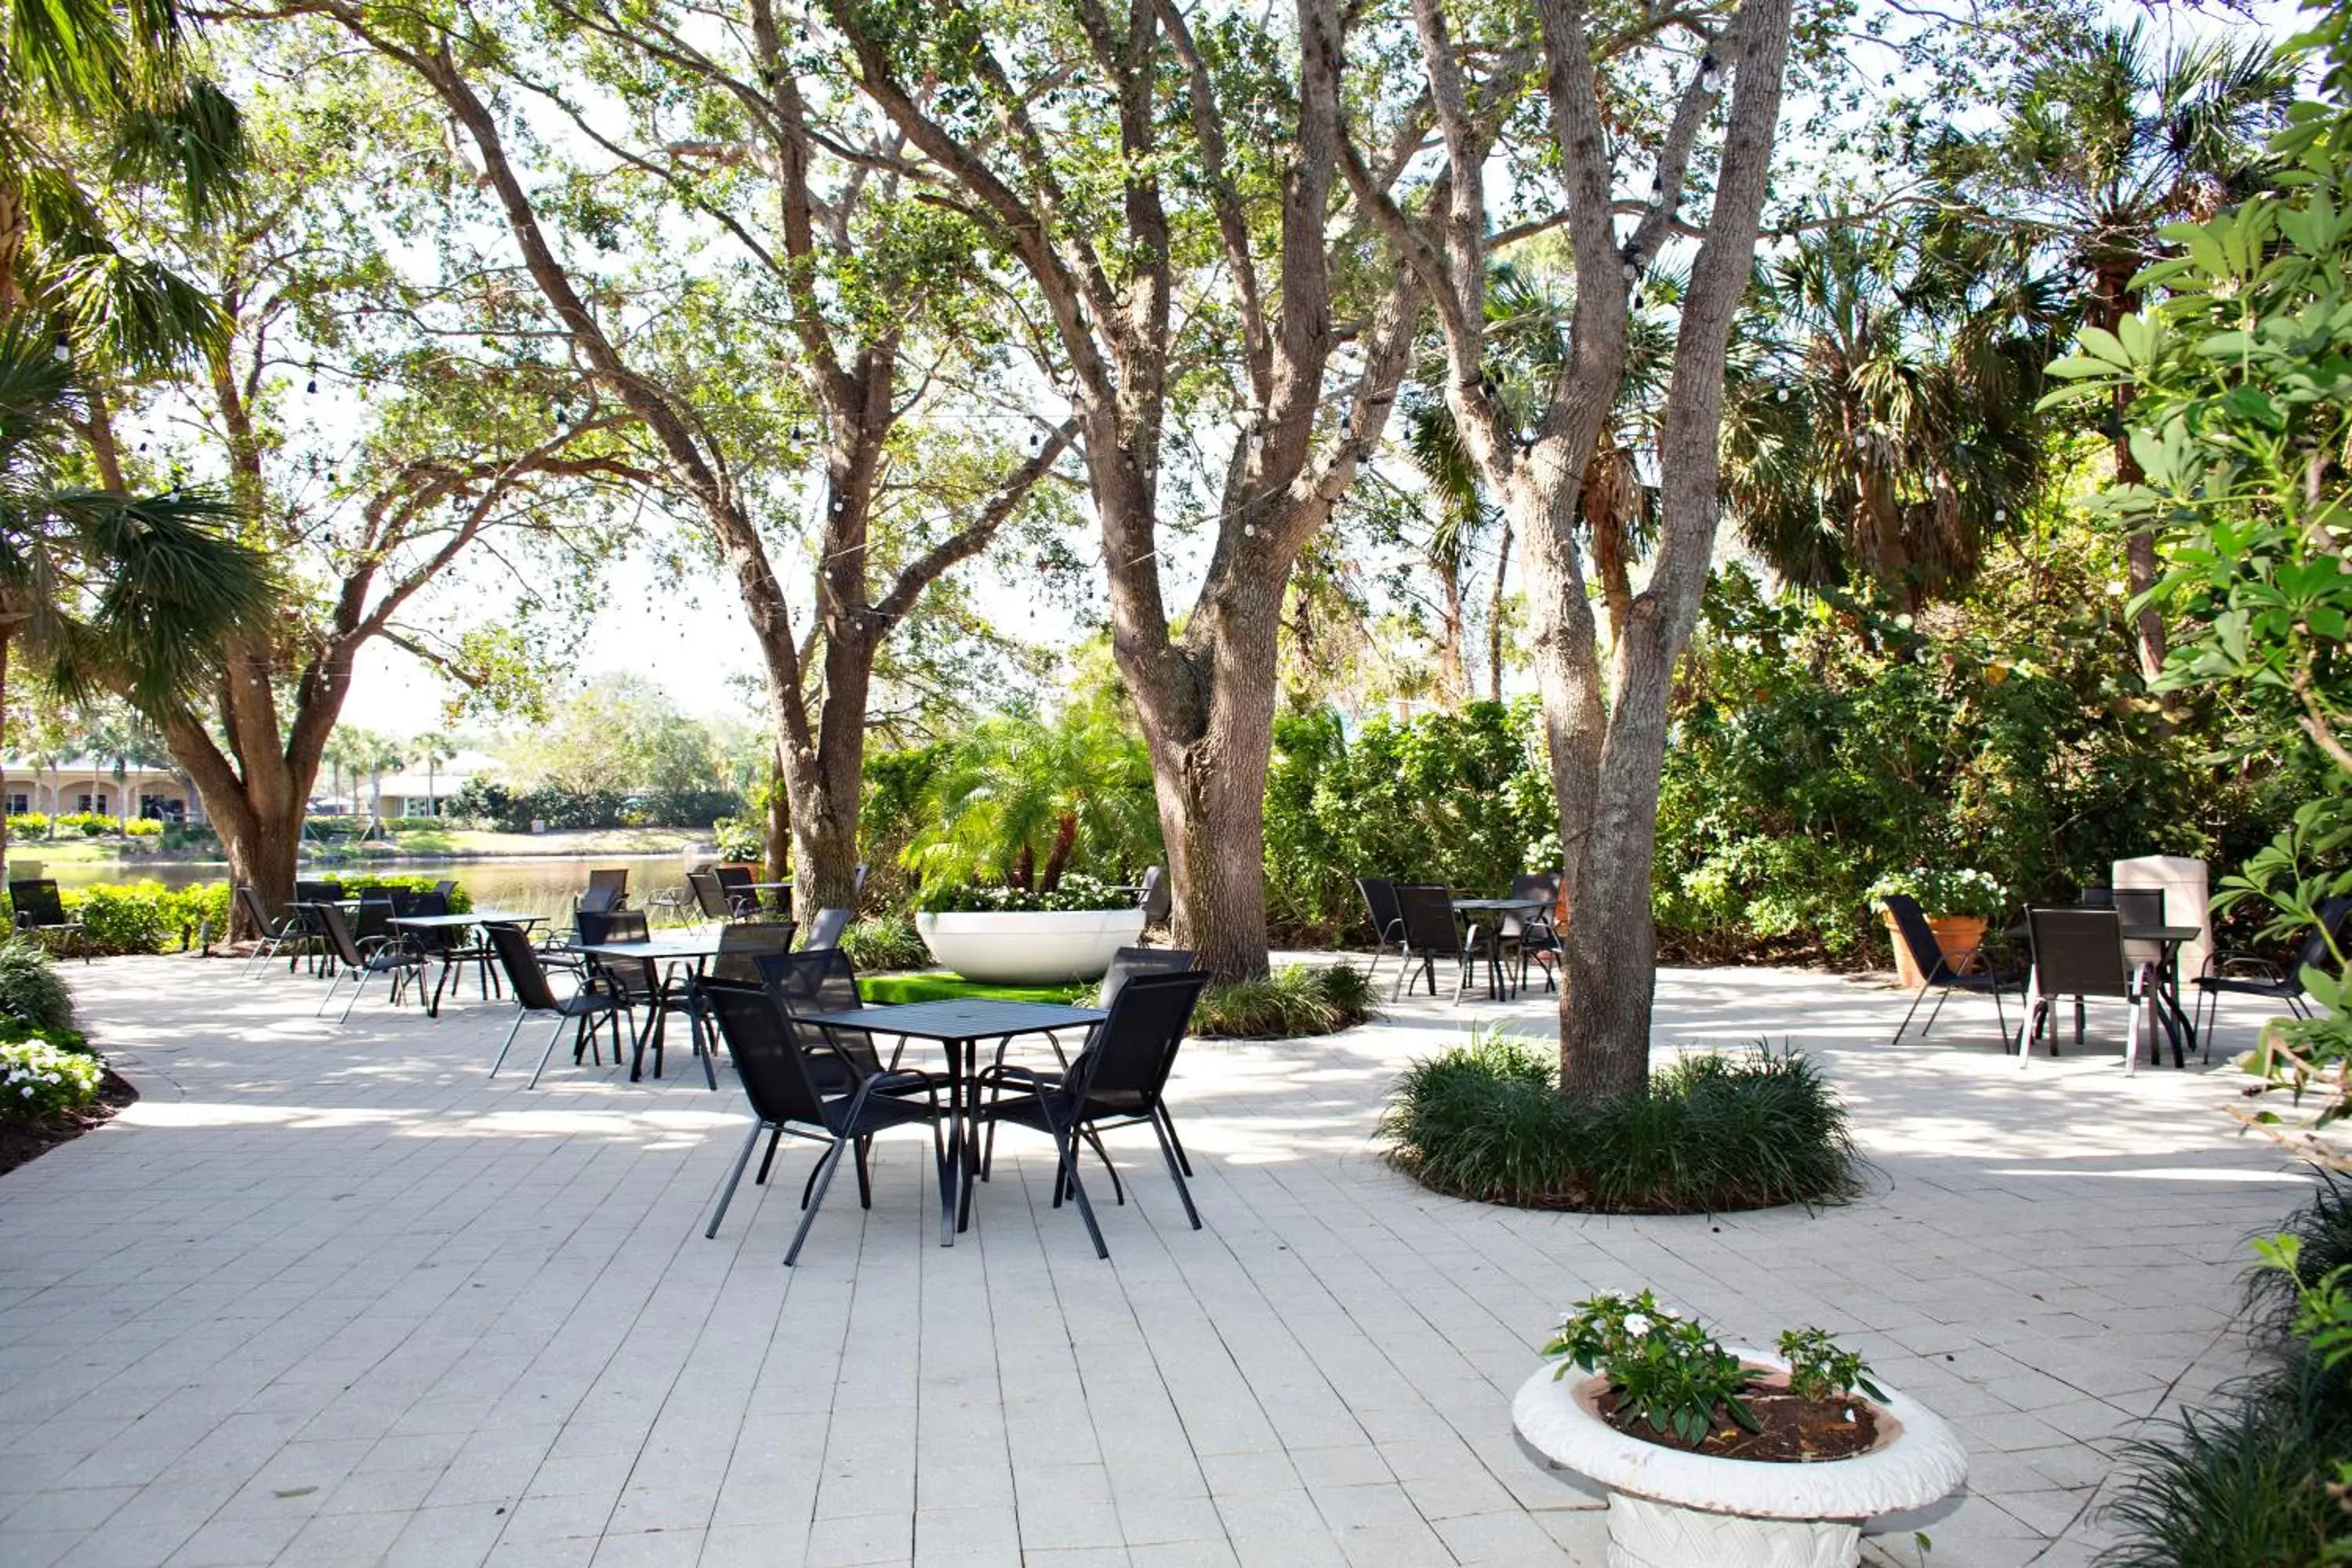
[1795, 1431]
[21, 1141]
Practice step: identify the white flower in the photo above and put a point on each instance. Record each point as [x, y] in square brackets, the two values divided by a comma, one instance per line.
[1637, 1325]
[26, 1091]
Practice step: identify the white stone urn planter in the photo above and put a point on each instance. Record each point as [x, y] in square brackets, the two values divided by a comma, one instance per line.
[1030, 948]
[1668, 1508]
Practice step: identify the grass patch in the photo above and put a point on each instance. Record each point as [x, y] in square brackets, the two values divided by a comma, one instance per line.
[884, 990]
[1710, 1134]
[1301, 999]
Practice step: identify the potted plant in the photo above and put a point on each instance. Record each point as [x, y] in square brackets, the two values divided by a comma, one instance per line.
[1959, 905]
[1020, 936]
[1723, 1457]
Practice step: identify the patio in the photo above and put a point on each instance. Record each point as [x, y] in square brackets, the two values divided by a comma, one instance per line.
[431, 1320]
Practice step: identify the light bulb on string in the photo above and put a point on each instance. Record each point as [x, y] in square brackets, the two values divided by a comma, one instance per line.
[64, 350]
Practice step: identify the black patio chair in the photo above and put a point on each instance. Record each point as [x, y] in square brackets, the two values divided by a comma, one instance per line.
[447, 887]
[613, 879]
[709, 898]
[825, 930]
[1388, 921]
[840, 1104]
[38, 911]
[585, 1010]
[597, 901]
[2249, 975]
[406, 901]
[1944, 974]
[1534, 937]
[454, 946]
[735, 881]
[2080, 953]
[363, 958]
[641, 984]
[1126, 964]
[823, 980]
[1119, 1080]
[741, 947]
[1425, 914]
[270, 936]
[308, 938]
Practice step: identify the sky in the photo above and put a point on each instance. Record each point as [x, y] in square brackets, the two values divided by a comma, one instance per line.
[691, 644]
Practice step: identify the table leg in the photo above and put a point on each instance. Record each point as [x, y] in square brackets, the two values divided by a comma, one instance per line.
[433, 1009]
[951, 1212]
[970, 1134]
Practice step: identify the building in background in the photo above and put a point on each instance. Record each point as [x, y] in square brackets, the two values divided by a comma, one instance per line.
[90, 784]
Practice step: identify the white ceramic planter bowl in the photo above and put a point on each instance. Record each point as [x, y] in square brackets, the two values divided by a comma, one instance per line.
[1030, 949]
[1672, 1510]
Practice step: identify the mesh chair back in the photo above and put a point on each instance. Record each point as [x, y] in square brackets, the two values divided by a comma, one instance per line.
[446, 886]
[1427, 912]
[733, 879]
[2078, 953]
[2095, 898]
[318, 893]
[2140, 907]
[2335, 917]
[373, 919]
[1380, 904]
[1157, 895]
[1130, 962]
[597, 901]
[338, 927]
[255, 912]
[613, 925]
[1911, 925]
[521, 961]
[403, 900]
[1544, 885]
[770, 1054]
[36, 902]
[1134, 1049]
[741, 946]
[813, 980]
[427, 903]
[708, 896]
[614, 877]
[825, 930]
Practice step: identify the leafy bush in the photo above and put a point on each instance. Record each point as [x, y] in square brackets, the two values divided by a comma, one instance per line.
[1076, 891]
[39, 1080]
[88, 823]
[1299, 999]
[143, 827]
[885, 942]
[1487, 1121]
[513, 811]
[28, 825]
[31, 990]
[146, 916]
[739, 838]
[1459, 798]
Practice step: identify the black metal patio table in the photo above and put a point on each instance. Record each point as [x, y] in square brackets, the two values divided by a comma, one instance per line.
[688, 945]
[960, 1025]
[1498, 982]
[2169, 1012]
[458, 922]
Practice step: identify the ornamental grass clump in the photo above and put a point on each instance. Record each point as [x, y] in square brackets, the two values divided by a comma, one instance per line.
[1298, 999]
[1710, 1133]
[30, 987]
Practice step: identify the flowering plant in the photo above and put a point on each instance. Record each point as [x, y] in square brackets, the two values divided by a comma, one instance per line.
[1076, 890]
[1822, 1369]
[1666, 1368]
[1940, 892]
[38, 1079]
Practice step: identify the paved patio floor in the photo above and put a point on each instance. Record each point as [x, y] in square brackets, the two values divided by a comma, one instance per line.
[327, 1296]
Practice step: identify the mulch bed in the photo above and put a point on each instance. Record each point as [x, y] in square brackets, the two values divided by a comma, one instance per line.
[1796, 1431]
[21, 1141]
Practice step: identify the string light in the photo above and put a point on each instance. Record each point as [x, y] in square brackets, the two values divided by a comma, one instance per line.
[64, 351]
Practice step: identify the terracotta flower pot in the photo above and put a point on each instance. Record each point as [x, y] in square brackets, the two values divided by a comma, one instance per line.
[1955, 935]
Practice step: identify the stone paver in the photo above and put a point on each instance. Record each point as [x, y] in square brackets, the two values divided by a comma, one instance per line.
[327, 1296]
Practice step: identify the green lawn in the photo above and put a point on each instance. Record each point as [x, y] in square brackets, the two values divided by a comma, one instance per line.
[884, 989]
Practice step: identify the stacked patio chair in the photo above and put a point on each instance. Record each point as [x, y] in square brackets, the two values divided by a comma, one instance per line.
[586, 1009]
[798, 1083]
[2080, 953]
[1118, 1082]
[363, 958]
[1944, 975]
[38, 911]
[2247, 975]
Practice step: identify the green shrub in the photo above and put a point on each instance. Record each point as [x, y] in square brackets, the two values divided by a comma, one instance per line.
[460, 900]
[143, 827]
[28, 825]
[39, 1080]
[146, 916]
[31, 990]
[1296, 1000]
[739, 838]
[1077, 890]
[885, 942]
[1711, 1132]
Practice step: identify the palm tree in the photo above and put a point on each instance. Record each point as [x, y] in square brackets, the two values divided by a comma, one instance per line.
[2100, 147]
[114, 591]
[432, 750]
[1880, 422]
[1015, 792]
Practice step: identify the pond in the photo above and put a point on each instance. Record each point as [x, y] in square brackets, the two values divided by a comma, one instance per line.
[528, 884]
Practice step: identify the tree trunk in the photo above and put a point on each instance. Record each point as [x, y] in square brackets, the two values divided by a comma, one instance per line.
[1494, 617]
[2111, 300]
[1057, 859]
[8, 629]
[778, 834]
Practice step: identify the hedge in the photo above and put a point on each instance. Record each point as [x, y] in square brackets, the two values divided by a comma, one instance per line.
[148, 917]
